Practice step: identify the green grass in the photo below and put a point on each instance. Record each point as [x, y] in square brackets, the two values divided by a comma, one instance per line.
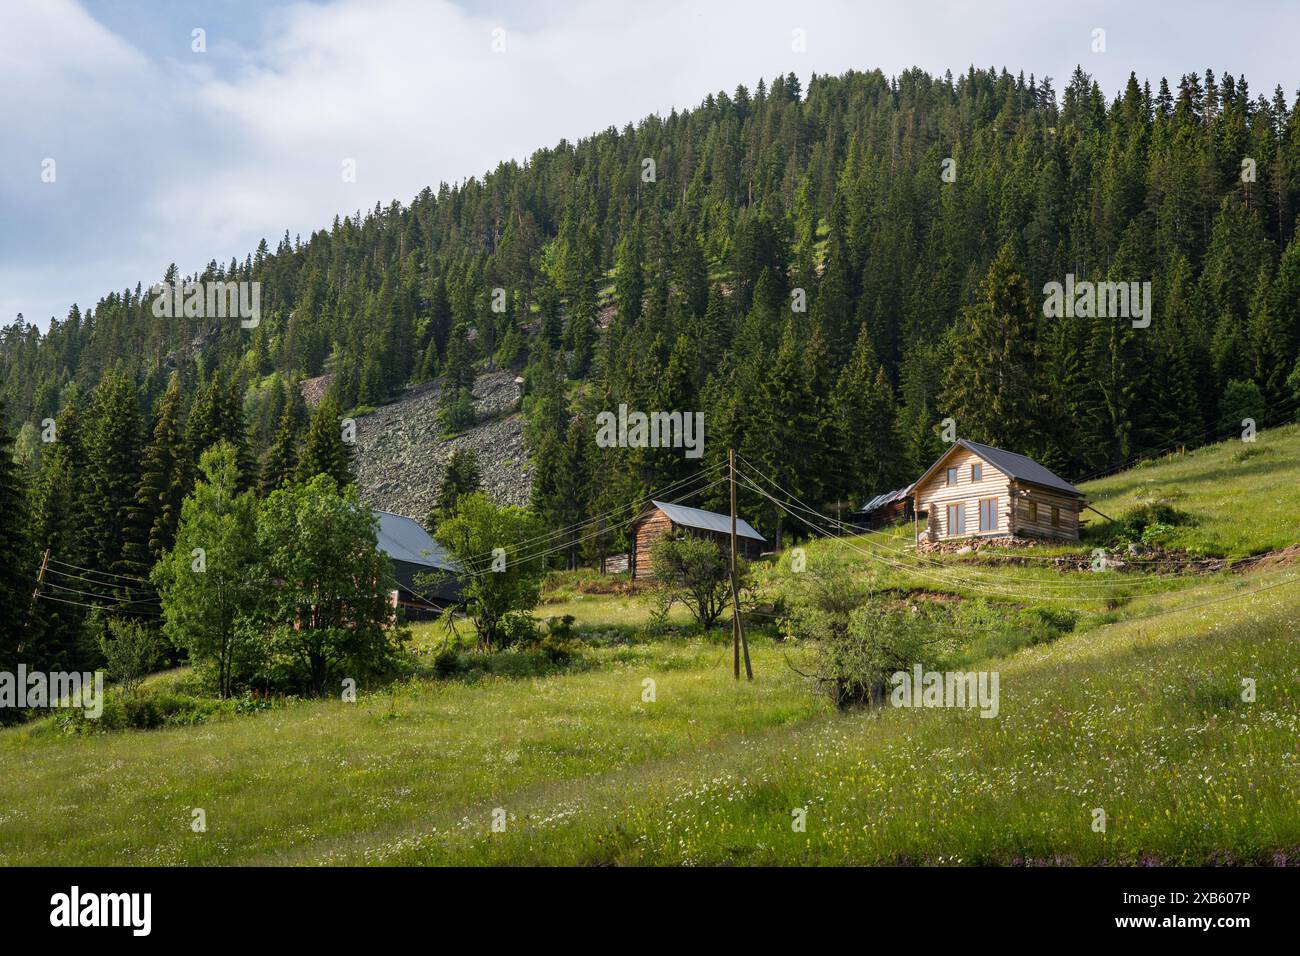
[1244, 496]
[330, 780]
[1137, 711]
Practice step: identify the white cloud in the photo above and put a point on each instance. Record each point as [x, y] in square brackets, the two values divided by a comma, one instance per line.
[197, 158]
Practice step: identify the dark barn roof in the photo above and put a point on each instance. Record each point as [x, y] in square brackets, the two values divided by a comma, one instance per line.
[706, 520]
[413, 552]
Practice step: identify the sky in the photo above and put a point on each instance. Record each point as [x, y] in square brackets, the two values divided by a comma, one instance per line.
[128, 141]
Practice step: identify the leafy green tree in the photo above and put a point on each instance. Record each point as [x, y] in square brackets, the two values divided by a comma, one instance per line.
[210, 582]
[329, 610]
[498, 548]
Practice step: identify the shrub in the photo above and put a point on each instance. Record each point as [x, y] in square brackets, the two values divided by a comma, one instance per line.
[853, 668]
[448, 662]
[557, 650]
[694, 572]
[131, 649]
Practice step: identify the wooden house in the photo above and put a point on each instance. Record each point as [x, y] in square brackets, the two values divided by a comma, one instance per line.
[976, 491]
[414, 552]
[658, 518]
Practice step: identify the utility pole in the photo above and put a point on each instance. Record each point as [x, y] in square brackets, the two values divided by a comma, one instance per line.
[737, 628]
[40, 577]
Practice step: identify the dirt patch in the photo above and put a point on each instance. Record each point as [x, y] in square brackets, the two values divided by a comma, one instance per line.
[1272, 559]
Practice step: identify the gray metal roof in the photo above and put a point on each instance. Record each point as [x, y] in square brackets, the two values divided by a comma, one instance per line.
[706, 520]
[889, 497]
[402, 539]
[1019, 467]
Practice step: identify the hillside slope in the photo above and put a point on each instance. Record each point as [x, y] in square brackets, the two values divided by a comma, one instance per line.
[1139, 712]
[401, 452]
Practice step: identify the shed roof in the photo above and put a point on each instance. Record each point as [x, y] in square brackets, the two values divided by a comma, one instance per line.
[1011, 464]
[402, 539]
[888, 498]
[706, 520]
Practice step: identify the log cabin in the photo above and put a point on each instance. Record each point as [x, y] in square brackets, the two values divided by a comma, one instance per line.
[658, 518]
[978, 491]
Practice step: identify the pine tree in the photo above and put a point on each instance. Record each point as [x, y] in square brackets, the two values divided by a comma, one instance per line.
[460, 477]
[993, 387]
[113, 446]
[16, 570]
[865, 418]
[324, 452]
[281, 459]
[152, 520]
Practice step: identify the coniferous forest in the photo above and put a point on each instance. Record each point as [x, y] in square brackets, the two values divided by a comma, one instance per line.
[827, 273]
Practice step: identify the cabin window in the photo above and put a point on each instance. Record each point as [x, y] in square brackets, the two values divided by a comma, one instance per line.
[952, 476]
[976, 472]
[1033, 511]
[1056, 517]
[988, 514]
[956, 519]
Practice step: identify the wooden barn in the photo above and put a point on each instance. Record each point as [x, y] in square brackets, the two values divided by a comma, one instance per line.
[976, 490]
[884, 509]
[659, 518]
[414, 552]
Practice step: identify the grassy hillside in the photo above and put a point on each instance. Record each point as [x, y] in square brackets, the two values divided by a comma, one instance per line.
[1137, 710]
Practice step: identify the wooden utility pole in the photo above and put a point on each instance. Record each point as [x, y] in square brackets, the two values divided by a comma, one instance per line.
[40, 577]
[738, 641]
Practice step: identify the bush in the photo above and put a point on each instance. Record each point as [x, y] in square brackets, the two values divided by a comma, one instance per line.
[448, 663]
[694, 572]
[131, 649]
[853, 668]
[557, 650]
[518, 629]
[1241, 400]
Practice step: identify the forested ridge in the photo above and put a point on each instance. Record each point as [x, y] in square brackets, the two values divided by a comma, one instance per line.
[680, 290]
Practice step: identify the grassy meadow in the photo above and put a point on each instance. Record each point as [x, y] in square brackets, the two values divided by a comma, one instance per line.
[1134, 706]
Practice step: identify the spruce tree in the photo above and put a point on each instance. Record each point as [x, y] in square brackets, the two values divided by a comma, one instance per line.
[865, 418]
[993, 387]
[282, 458]
[17, 572]
[324, 452]
[152, 520]
[113, 446]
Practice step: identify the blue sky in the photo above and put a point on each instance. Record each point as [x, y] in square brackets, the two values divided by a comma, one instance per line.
[163, 154]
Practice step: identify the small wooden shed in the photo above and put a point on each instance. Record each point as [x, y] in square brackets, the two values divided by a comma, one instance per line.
[658, 518]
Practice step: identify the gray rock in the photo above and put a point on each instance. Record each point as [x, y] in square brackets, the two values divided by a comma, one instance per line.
[400, 455]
